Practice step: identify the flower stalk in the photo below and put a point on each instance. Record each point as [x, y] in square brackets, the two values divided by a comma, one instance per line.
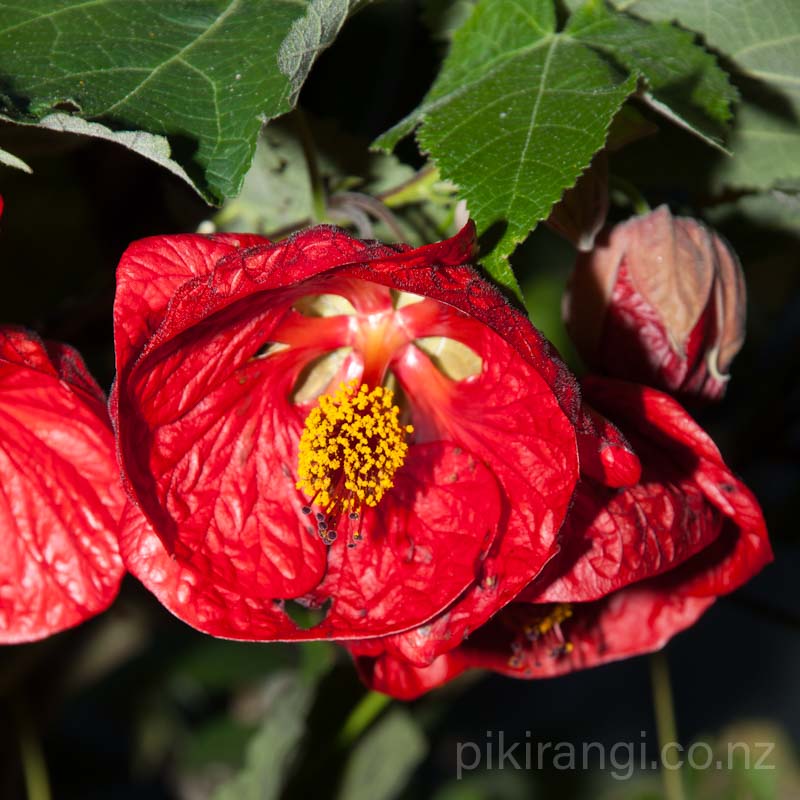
[665, 723]
[34, 766]
[366, 711]
[634, 197]
[319, 208]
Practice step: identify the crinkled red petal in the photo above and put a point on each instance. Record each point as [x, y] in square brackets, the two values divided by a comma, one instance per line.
[638, 619]
[686, 499]
[404, 681]
[689, 518]
[508, 418]
[422, 548]
[606, 456]
[61, 499]
[411, 561]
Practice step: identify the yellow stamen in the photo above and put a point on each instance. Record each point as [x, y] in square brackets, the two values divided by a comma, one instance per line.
[546, 627]
[350, 449]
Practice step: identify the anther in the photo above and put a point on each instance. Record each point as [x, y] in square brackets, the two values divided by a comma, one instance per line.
[351, 446]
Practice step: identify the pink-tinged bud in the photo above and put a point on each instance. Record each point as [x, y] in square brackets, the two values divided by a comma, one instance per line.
[661, 301]
[582, 211]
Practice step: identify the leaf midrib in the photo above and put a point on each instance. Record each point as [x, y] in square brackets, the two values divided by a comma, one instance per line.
[495, 66]
[176, 57]
[532, 124]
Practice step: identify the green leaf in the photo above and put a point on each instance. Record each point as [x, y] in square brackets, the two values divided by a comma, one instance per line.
[772, 211]
[156, 148]
[201, 77]
[272, 750]
[514, 117]
[384, 759]
[683, 81]
[762, 42]
[758, 762]
[222, 740]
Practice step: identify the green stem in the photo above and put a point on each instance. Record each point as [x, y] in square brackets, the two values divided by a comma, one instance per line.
[413, 190]
[634, 196]
[318, 203]
[34, 767]
[362, 716]
[665, 722]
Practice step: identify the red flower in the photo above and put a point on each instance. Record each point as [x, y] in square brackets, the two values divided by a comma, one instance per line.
[637, 565]
[61, 500]
[278, 404]
[661, 301]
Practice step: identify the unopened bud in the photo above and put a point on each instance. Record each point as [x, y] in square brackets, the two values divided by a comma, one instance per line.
[661, 301]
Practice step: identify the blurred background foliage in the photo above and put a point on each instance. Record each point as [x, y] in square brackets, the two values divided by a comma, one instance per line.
[134, 704]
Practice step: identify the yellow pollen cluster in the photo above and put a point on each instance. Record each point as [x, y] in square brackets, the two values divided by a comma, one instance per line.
[551, 622]
[350, 449]
[560, 613]
[537, 629]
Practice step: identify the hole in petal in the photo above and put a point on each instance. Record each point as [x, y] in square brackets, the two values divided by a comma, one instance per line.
[452, 358]
[401, 299]
[324, 305]
[305, 615]
[317, 375]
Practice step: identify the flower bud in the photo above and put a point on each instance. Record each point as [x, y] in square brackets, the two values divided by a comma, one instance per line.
[661, 301]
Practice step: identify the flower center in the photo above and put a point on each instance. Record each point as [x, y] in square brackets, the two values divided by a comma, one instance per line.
[561, 612]
[351, 447]
[544, 628]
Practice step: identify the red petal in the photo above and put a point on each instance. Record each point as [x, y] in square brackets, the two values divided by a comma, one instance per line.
[439, 271]
[402, 680]
[509, 419]
[61, 499]
[408, 566]
[212, 272]
[605, 454]
[678, 509]
[638, 619]
[210, 443]
[150, 272]
[423, 551]
[188, 594]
